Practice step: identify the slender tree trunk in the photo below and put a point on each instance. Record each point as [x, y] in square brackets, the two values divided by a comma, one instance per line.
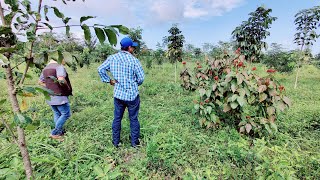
[297, 75]
[21, 136]
[16, 109]
[175, 73]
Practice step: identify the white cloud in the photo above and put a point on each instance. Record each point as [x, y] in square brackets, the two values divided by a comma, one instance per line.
[193, 10]
[166, 10]
[133, 12]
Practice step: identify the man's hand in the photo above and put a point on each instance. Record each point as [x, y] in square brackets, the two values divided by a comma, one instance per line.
[113, 82]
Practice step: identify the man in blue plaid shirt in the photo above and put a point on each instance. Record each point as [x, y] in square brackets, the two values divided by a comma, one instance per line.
[128, 75]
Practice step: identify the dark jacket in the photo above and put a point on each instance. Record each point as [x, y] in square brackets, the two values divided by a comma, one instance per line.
[50, 76]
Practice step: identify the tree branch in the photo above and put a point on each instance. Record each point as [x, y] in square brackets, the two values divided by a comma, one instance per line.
[10, 130]
[29, 59]
[62, 26]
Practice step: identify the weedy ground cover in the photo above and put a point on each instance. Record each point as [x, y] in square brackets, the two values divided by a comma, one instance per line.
[173, 143]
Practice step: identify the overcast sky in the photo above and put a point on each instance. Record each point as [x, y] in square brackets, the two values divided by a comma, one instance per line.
[201, 21]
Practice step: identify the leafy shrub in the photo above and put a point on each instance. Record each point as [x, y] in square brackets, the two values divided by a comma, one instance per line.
[232, 93]
[282, 61]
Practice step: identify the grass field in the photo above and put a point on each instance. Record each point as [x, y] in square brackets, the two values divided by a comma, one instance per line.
[173, 144]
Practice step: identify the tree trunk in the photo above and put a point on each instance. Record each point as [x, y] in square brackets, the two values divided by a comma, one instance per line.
[21, 136]
[175, 73]
[296, 82]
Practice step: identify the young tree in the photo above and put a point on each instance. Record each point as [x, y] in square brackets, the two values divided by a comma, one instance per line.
[307, 22]
[251, 33]
[159, 54]
[175, 45]
[136, 35]
[207, 47]
[197, 52]
[20, 18]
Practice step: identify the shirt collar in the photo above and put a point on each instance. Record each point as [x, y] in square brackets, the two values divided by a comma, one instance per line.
[125, 52]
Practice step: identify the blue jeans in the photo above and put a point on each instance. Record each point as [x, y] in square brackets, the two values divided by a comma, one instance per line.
[133, 109]
[60, 115]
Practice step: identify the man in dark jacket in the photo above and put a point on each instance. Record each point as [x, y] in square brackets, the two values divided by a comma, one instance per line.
[55, 78]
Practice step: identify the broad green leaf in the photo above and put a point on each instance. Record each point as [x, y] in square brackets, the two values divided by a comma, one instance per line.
[233, 87]
[4, 59]
[242, 92]
[287, 100]
[281, 106]
[208, 93]
[241, 100]
[21, 119]
[100, 34]
[57, 12]
[209, 109]
[112, 38]
[242, 129]
[29, 89]
[228, 78]
[122, 29]
[31, 127]
[87, 33]
[262, 97]
[68, 58]
[84, 18]
[214, 87]
[45, 91]
[262, 88]
[268, 128]
[240, 78]
[226, 108]
[202, 92]
[234, 105]
[196, 106]
[233, 98]
[271, 110]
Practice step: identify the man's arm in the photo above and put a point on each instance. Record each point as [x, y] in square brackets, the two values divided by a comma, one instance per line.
[139, 73]
[102, 70]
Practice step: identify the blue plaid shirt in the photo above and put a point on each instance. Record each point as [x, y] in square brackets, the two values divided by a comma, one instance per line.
[127, 71]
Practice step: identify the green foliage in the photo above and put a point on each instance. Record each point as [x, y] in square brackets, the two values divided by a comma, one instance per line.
[169, 132]
[175, 44]
[282, 61]
[159, 54]
[251, 33]
[136, 35]
[307, 22]
[231, 93]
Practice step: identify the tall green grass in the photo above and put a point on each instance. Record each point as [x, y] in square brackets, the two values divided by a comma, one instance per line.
[173, 144]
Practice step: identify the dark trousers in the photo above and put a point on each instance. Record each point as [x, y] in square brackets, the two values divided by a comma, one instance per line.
[133, 109]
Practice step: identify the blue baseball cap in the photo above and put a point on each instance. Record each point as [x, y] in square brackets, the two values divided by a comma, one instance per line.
[126, 42]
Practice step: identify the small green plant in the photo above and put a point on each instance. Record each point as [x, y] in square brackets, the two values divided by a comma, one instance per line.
[107, 172]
